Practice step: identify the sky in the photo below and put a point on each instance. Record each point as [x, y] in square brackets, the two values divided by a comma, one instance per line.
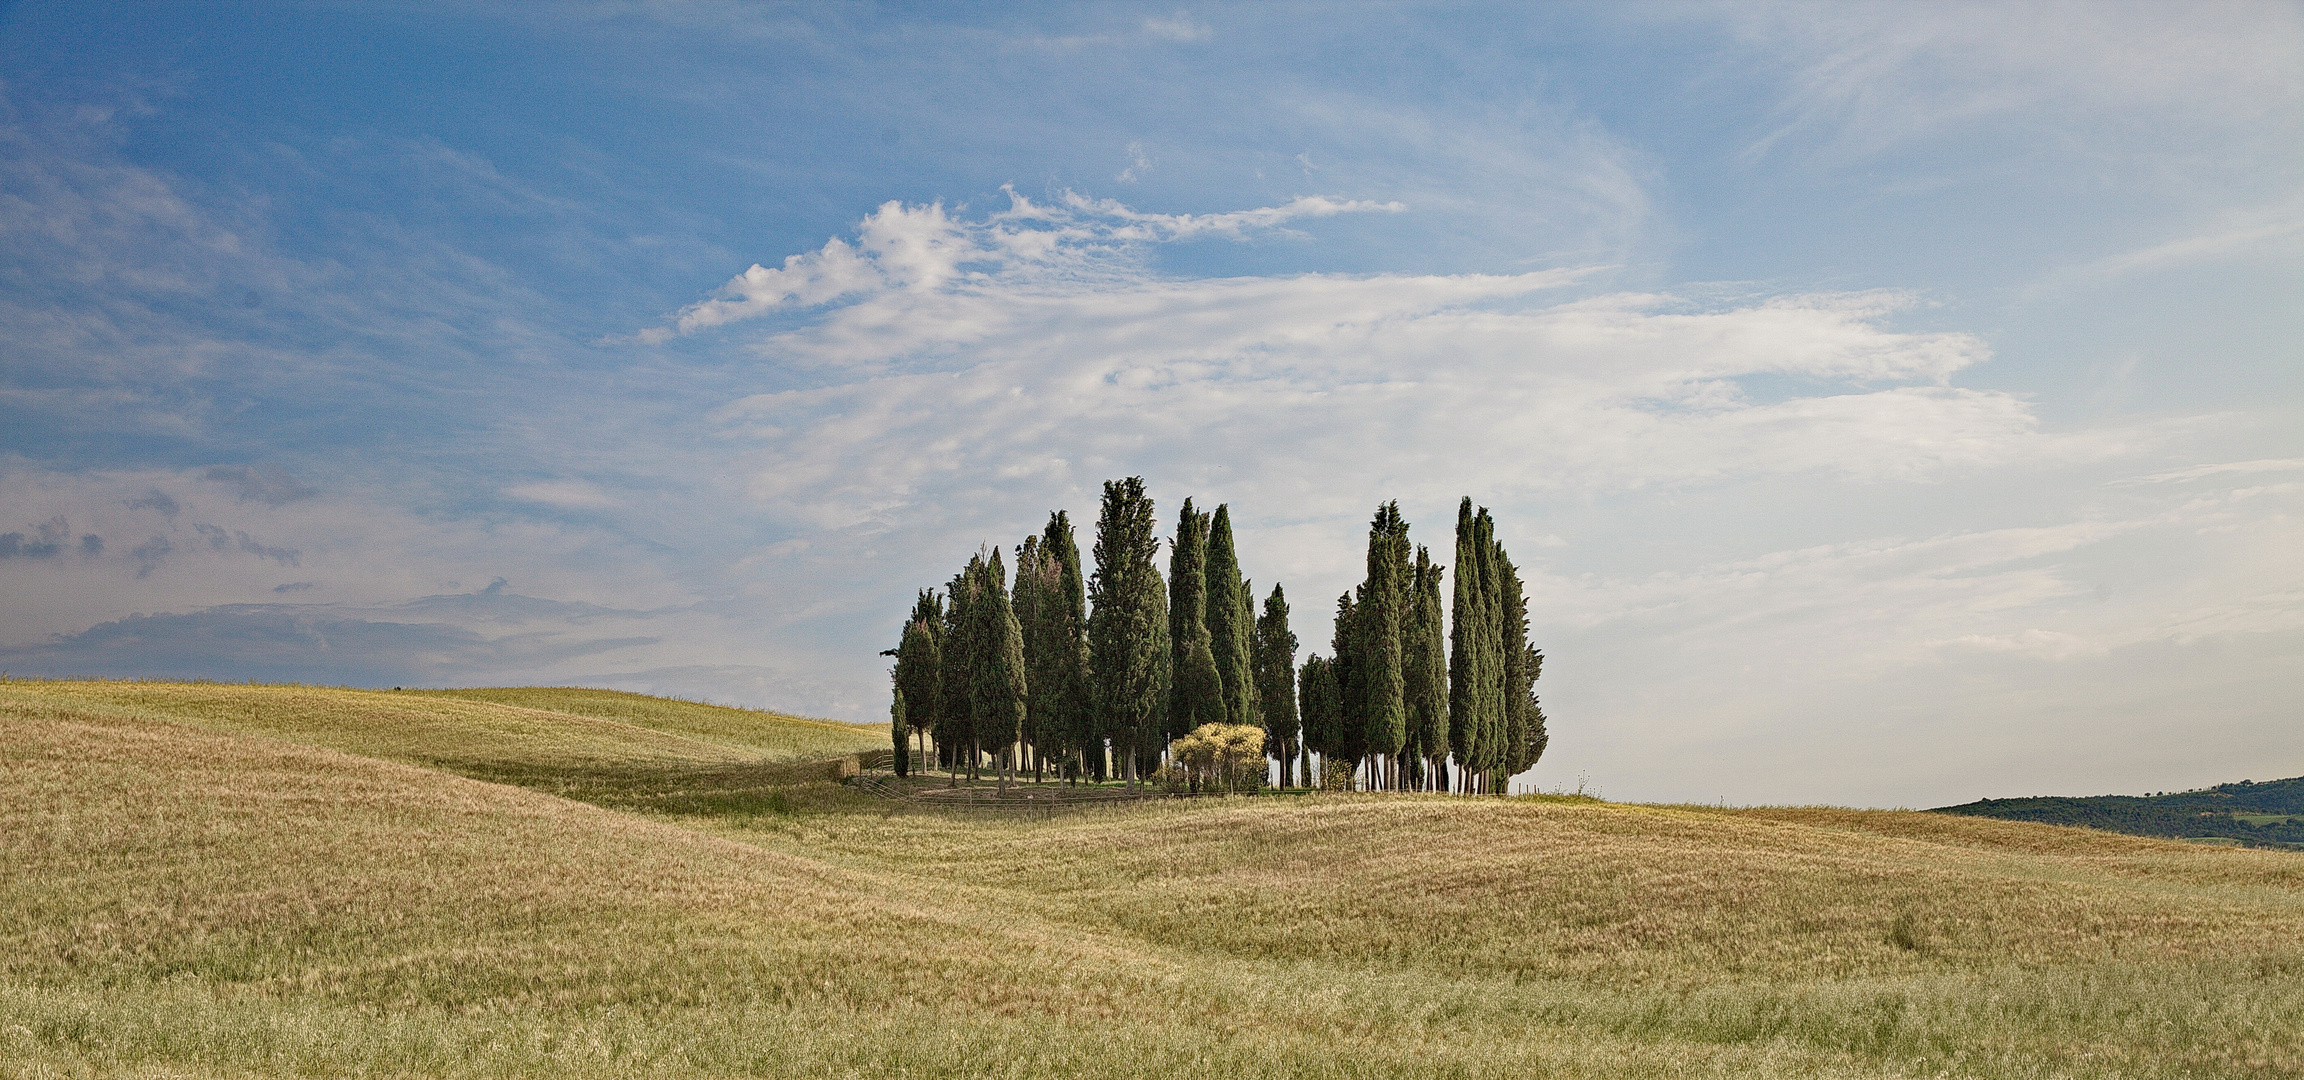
[1887, 405]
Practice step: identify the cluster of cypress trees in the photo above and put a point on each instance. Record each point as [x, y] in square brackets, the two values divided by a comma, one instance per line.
[1403, 696]
[1095, 675]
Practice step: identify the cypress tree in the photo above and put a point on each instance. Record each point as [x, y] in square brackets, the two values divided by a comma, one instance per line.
[1231, 619]
[1489, 750]
[1512, 616]
[1424, 669]
[1198, 696]
[1377, 660]
[1468, 646]
[956, 728]
[918, 672]
[1068, 672]
[896, 731]
[998, 693]
[1322, 711]
[1524, 735]
[1127, 627]
[1349, 739]
[1275, 666]
[919, 663]
[1032, 598]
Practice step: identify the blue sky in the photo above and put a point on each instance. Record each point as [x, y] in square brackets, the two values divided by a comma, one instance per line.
[1891, 404]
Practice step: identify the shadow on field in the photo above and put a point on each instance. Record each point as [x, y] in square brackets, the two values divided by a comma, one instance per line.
[715, 789]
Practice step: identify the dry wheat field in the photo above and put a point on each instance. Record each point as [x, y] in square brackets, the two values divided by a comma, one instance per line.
[256, 881]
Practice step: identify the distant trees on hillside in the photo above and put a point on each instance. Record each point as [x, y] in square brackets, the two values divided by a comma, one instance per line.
[1114, 673]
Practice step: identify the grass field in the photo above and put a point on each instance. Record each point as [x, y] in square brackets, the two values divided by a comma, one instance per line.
[240, 881]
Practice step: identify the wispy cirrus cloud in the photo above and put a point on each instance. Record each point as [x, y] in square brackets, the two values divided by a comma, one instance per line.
[903, 248]
[1866, 77]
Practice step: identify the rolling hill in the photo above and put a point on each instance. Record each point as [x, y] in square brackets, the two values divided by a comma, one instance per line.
[271, 881]
[2269, 814]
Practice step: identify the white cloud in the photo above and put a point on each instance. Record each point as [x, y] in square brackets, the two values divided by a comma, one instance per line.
[1051, 355]
[1178, 27]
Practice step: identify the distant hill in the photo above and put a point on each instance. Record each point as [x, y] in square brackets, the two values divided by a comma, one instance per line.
[2270, 814]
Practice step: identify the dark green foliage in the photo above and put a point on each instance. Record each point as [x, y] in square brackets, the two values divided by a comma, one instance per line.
[897, 730]
[1128, 626]
[1536, 737]
[1468, 644]
[1378, 678]
[1489, 751]
[1198, 691]
[955, 719]
[1032, 597]
[1424, 666]
[2270, 814]
[998, 694]
[1519, 676]
[919, 666]
[1036, 669]
[1059, 672]
[1321, 708]
[1231, 620]
[1275, 668]
[1349, 738]
[1055, 651]
[1494, 726]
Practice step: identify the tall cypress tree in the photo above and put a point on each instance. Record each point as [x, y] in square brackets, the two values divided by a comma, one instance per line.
[1469, 648]
[956, 723]
[1379, 681]
[1424, 669]
[1128, 626]
[1524, 735]
[1067, 676]
[1198, 696]
[1489, 749]
[998, 693]
[1322, 710]
[1033, 599]
[1349, 739]
[1275, 667]
[1231, 618]
[1512, 616]
[918, 672]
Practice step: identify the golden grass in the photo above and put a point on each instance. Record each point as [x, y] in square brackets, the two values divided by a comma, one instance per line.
[185, 890]
[773, 735]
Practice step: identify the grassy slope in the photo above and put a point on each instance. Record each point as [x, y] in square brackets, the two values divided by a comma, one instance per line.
[772, 734]
[199, 884]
